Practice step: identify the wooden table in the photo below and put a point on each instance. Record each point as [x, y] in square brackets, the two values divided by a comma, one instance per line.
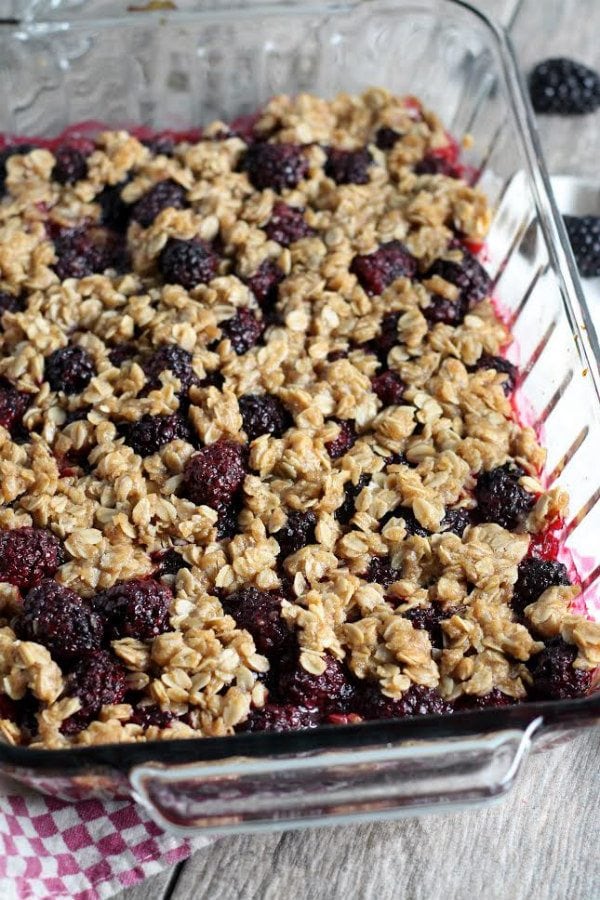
[540, 842]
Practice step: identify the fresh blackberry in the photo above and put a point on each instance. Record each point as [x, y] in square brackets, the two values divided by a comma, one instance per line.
[170, 358]
[389, 387]
[344, 441]
[287, 225]
[69, 369]
[28, 555]
[376, 271]
[151, 715]
[430, 618]
[534, 577]
[5, 155]
[168, 562]
[138, 608]
[215, 475]
[298, 532]
[188, 263]
[281, 717]
[564, 87]
[114, 212]
[70, 165]
[87, 251]
[265, 282]
[98, 680]
[259, 612]
[386, 137]
[584, 235]
[448, 312]
[554, 677]
[382, 572]
[500, 497]
[150, 433]
[468, 276]
[244, 330]
[499, 364]
[276, 166]
[330, 692]
[348, 166]
[166, 194]
[56, 617]
[263, 414]
[456, 520]
[351, 491]
[13, 405]
[416, 701]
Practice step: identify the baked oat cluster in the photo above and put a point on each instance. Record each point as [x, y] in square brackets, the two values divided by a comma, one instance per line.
[259, 466]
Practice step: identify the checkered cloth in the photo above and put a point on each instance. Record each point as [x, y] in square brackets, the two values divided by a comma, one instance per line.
[78, 851]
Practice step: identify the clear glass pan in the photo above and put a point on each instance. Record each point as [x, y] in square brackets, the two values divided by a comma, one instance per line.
[180, 69]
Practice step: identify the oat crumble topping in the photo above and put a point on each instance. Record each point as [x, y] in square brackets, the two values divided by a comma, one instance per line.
[259, 467]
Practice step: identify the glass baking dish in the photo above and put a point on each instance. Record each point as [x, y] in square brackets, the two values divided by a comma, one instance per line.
[179, 69]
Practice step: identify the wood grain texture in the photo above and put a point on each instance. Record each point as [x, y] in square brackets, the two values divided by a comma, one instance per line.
[539, 841]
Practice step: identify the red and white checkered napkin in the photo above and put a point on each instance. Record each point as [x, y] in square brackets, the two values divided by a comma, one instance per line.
[78, 851]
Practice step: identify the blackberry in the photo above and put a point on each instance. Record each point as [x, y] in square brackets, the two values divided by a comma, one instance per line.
[435, 164]
[166, 194]
[215, 475]
[376, 271]
[499, 364]
[8, 708]
[298, 532]
[494, 700]
[554, 677]
[11, 302]
[87, 251]
[265, 282]
[98, 680]
[416, 701]
[348, 166]
[351, 491]
[135, 609]
[188, 263]
[344, 441]
[13, 405]
[448, 312]
[329, 692]
[411, 523]
[244, 126]
[151, 715]
[264, 414]
[276, 717]
[5, 155]
[150, 433]
[168, 562]
[534, 577]
[259, 612]
[69, 369]
[430, 618]
[56, 617]
[564, 87]
[584, 235]
[170, 358]
[386, 137]
[114, 212]
[468, 276]
[382, 572]
[389, 387]
[456, 520]
[386, 339]
[287, 225]
[121, 353]
[275, 166]
[227, 523]
[500, 497]
[28, 555]
[160, 144]
[70, 165]
[244, 330]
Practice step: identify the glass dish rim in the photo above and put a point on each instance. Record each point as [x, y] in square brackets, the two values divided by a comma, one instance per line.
[559, 713]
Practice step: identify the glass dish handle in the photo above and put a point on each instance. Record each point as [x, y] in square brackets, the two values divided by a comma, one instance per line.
[243, 795]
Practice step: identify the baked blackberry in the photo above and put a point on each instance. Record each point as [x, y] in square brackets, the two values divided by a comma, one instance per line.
[259, 613]
[160, 144]
[411, 523]
[584, 235]
[287, 225]
[280, 717]
[386, 137]
[499, 364]
[5, 155]
[447, 312]
[436, 164]
[168, 562]
[265, 282]
[500, 497]
[166, 194]
[553, 673]
[13, 406]
[69, 369]
[188, 263]
[564, 87]
[87, 251]
[430, 618]
[456, 520]
[70, 165]
[28, 555]
[114, 212]
[121, 353]
[150, 433]
[263, 414]
[536, 576]
[276, 166]
[170, 358]
[389, 387]
[138, 608]
[416, 701]
[344, 441]
[298, 532]
[244, 330]
[98, 680]
[348, 166]
[330, 692]
[382, 572]
[494, 700]
[215, 475]
[151, 714]
[11, 302]
[351, 491]
[56, 617]
[468, 276]
[376, 271]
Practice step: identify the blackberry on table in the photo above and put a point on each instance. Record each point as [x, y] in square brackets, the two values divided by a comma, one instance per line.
[584, 235]
[565, 87]
[87, 251]
[151, 714]
[448, 312]
[168, 562]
